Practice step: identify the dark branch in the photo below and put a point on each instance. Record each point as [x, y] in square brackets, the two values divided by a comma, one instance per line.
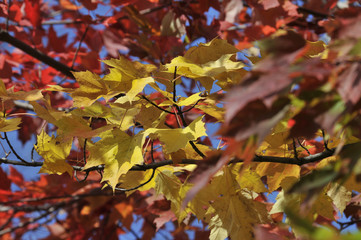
[284, 160]
[13, 150]
[6, 37]
[136, 187]
[155, 105]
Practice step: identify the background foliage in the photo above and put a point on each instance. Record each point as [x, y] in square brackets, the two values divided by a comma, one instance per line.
[181, 119]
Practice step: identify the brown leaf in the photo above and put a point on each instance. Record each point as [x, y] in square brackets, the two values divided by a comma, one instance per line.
[254, 119]
[350, 84]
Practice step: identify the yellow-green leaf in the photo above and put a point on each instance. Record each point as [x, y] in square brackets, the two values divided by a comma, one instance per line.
[118, 151]
[91, 87]
[210, 51]
[235, 212]
[339, 195]
[10, 94]
[250, 180]
[175, 139]
[8, 125]
[54, 151]
[172, 188]
[138, 86]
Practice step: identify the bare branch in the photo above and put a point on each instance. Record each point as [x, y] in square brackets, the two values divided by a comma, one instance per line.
[13, 150]
[136, 187]
[6, 37]
[284, 160]
[155, 105]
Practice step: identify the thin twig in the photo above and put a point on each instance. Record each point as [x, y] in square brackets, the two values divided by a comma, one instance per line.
[299, 142]
[283, 160]
[180, 114]
[13, 150]
[31, 220]
[136, 187]
[98, 193]
[294, 149]
[76, 52]
[325, 142]
[82, 180]
[174, 84]
[155, 105]
[344, 225]
[151, 151]
[184, 111]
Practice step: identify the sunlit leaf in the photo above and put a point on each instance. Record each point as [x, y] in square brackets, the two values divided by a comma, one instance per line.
[54, 150]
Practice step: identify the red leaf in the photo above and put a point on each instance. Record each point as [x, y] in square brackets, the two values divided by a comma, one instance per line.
[15, 13]
[4, 180]
[89, 4]
[15, 176]
[113, 43]
[5, 68]
[91, 61]
[32, 10]
[56, 43]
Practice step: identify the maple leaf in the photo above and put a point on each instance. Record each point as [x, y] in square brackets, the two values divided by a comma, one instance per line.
[11, 94]
[91, 88]
[206, 61]
[8, 125]
[173, 189]
[118, 152]
[127, 76]
[175, 139]
[54, 150]
[32, 8]
[234, 213]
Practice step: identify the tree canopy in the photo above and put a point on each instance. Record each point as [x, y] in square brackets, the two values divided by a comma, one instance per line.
[181, 119]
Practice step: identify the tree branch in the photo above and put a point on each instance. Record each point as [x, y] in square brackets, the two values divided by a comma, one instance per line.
[284, 160]
[6, 37]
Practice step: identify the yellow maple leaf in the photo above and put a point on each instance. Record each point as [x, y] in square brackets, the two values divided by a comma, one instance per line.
[54, 151]
[10, 94]
[206, 61]
[123, 114]
[172, 188]
[127, 70]
[233, 212]
[210, 51]
[8, 125]
[186, 67]
[187, 153]
[184, 101]
[135, 178]
[127, 76]
[151, 117]
[91, 88]
[46, 112]
[118, 152]
[250, 180]
[276, 172]
[340, 196]
[175, 139]
[138, 86]
[322, 205]
[212, 110]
